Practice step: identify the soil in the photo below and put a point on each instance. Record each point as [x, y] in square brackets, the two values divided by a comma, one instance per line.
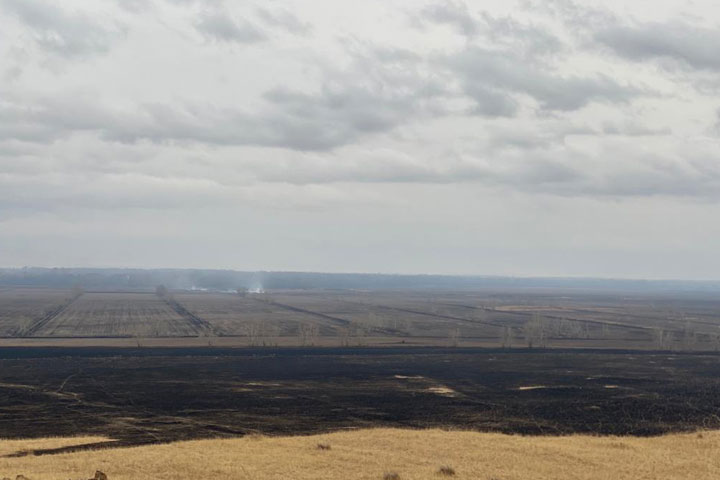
[139, 396]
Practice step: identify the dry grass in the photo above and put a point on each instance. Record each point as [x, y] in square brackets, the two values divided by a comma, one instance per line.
[370, 454]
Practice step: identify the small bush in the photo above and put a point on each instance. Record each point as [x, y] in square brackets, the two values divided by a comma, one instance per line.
[323, 446]
[446, 470]
[391, 476]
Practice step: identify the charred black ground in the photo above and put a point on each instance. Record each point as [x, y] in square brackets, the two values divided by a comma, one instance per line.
[158, 395]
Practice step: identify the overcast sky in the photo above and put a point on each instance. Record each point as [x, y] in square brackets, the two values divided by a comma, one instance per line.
[508, 137]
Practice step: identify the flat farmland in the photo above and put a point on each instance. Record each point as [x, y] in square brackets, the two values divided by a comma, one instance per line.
[395, 315]
[234, 315]
[344, 318]
[20, 308]
[117, 315]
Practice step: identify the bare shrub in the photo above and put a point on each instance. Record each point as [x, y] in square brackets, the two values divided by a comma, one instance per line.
[323, 446]
[507, 337]
[446, 471]
[308, 332]
[535, 332]
[454, 337]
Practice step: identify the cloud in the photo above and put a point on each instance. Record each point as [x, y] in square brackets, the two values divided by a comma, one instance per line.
[494, 73]
[687, 46]
[490, 101]
[284, 19]
[290, 119]
[500, 31]
[374, 94]
[559, 170]
[57, 31]
[218, 25]
[389, 166]
[633, 129]
[335, 115]
[499, 98]
[46, 119]
[505, 58]
[134, 6]
[455, 14]
[530, 39]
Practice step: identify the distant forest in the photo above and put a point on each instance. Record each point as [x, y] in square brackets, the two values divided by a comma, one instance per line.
[229, 280]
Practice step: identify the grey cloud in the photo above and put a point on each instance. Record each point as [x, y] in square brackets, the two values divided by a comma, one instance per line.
[337, 115]
[632, 129]
[530, 39]
[688, 45]
[218, 25]
[502, 71]
[536, 173]
[61, 32]
[387, 55]
[321, 121]
[205, 3]
[370, 97]
[135, 6]
[291, 119]
[43, 120]
[284, 19]
[452, 13]
[501, 31]
[490, 102]
[526, 140]
[575, 16]
[560, 171]
[13, 73]
[109, 191]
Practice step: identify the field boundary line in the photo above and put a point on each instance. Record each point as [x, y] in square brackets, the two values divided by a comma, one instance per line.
[38, 324]
[337, 320]
[200, 325]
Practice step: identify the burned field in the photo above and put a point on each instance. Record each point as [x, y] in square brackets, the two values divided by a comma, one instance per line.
[158, 395]
[158, 366]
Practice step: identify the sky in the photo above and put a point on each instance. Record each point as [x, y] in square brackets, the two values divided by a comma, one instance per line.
[529, 138]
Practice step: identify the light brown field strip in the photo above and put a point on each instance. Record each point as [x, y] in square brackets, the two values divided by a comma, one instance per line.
[390, 453]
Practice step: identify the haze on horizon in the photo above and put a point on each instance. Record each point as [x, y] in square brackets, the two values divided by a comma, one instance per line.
[532, 138]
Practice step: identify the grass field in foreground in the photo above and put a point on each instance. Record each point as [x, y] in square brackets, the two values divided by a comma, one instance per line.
[370, 454]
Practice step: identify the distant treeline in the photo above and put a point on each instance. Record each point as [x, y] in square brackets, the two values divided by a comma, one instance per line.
[228, 280]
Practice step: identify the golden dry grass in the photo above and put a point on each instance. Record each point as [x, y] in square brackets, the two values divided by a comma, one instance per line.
[369, 454]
